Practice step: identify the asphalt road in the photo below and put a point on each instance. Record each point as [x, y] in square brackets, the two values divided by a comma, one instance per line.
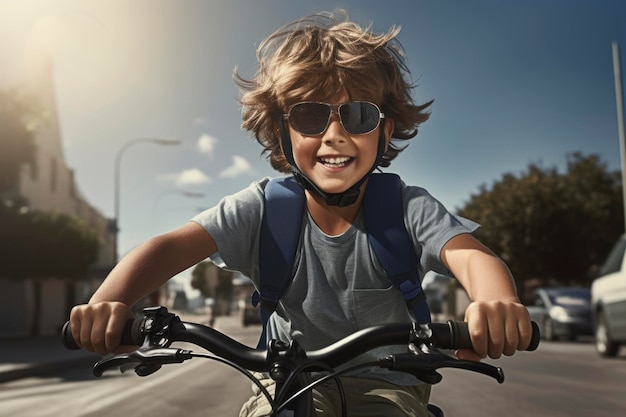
[560, 379]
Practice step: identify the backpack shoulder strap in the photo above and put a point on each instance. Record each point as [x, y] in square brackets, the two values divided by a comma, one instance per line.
[390, 241]
[387, 234]
[280, 234]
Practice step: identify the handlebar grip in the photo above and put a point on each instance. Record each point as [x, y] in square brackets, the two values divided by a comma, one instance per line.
[534, 341]
[460, 337]
[131, 335]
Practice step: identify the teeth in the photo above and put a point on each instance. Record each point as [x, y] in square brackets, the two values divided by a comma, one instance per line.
[335, 161]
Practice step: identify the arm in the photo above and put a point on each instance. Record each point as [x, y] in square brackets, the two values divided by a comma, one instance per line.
[98, 325]
[498, 322]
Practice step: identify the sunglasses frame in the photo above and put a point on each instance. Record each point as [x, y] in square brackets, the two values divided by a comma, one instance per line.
[334, 108]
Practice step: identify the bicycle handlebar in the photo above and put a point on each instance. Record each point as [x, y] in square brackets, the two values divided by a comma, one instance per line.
[285, 362]
[450, 335]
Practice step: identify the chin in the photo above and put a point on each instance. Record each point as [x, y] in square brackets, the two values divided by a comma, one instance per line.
[334, 187]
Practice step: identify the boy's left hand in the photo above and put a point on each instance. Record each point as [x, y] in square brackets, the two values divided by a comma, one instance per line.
[496, 328]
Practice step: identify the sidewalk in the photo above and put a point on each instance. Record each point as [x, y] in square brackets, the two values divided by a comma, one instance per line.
[36, 356]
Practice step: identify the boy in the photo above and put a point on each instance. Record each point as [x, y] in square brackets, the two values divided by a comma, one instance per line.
[325, 104]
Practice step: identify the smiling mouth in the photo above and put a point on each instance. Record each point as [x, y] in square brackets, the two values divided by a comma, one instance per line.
[335, 162]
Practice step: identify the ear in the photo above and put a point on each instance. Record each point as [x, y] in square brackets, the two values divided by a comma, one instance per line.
[389, 128]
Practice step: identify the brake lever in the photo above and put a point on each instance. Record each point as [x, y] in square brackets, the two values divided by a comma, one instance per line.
[145, 361]
[426, 366]
[423, 359]
[424, 363]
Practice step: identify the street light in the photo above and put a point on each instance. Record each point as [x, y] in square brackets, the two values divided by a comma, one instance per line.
[116, 196]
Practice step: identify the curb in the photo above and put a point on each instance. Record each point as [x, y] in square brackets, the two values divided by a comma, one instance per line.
[58, 359]
[43, 369]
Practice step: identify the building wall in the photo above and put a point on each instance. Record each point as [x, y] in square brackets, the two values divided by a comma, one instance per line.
[53, 312]
[13, 299]
[49, 185]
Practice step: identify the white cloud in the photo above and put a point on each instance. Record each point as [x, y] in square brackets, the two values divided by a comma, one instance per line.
[206, 144]
[191, 177]
[240, 166]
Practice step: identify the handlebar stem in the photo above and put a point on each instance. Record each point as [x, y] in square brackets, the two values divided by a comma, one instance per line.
[284, 358]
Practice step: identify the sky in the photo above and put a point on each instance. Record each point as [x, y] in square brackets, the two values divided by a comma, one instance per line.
[513, 82]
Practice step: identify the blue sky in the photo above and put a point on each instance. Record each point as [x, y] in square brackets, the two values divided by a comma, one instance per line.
[514, 82]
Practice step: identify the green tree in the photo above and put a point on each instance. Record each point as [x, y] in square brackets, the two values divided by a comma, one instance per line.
[550, 225]
[40, 245]
[220, 289]
[18, 118]
[199, 281]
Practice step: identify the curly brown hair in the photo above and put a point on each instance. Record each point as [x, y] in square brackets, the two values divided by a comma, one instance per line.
[315, 58]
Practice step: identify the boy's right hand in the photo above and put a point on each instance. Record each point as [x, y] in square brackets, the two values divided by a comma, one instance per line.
[98, 327]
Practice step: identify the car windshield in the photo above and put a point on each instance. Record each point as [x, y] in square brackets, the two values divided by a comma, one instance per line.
[570, 297]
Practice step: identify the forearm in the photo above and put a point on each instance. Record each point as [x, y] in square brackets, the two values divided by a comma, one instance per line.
[484, 276]
[153, 263]
[498, 322]
[137, 274]
[487, 278]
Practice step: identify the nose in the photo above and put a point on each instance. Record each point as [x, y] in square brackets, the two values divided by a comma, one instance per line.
[334, 131]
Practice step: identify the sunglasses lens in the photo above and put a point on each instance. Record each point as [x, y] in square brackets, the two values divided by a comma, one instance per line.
[359, 117]
[309, 118]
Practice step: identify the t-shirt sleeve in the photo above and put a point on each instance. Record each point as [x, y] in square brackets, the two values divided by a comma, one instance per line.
[235, 223]
[431, 226]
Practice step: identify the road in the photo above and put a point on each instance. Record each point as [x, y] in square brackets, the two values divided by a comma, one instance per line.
[560, 379]
[194, 388]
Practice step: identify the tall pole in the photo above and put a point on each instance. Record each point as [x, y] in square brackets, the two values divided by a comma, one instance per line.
[617, 73]
[116, 195]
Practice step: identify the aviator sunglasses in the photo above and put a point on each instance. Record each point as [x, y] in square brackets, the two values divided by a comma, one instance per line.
[313, 118]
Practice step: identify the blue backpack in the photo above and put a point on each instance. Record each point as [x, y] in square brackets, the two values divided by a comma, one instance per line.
[387, 235]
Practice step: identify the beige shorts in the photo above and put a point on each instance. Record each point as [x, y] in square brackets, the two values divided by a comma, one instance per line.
[364, 397]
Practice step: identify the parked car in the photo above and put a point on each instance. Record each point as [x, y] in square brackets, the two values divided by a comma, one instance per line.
[249, 313]
[563, 312]
[608, 298]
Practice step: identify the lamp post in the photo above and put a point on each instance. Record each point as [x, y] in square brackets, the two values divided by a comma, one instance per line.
[116, 196]
[619, 101]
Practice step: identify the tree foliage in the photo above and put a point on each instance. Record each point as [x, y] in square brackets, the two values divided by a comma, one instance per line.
[550, 225]
[40, 244]
[18, 116]
[34, 244]
[221, 289]
[199, 281]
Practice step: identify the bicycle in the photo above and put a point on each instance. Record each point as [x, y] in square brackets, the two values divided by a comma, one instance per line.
[290, 365]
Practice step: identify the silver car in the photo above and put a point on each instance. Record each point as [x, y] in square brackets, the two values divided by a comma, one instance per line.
[562, 313]
[609, 302]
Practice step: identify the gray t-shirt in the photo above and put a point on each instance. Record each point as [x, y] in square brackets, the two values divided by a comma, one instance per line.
[338, 286]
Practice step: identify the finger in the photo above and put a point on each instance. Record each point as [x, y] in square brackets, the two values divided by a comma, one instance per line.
[497, 335]
[75, 324]
[113, 332]
[85, 333]
[478, 330]
[511, 342]
[467, 354]
[98, 329]
[525, 332]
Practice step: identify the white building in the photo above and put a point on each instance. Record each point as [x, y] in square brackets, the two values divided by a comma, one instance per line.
[49, 185]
